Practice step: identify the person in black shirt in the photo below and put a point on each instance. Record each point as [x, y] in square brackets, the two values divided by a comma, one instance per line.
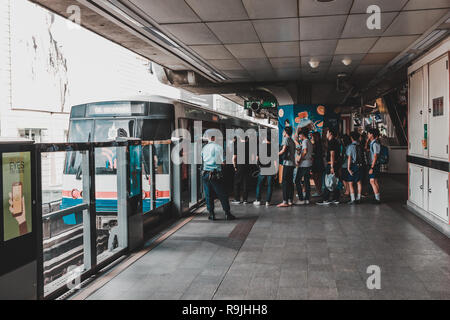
[241, 173]
[333, 151]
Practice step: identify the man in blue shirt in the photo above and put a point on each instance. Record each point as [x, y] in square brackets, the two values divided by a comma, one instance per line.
[212, 157]
[374, 169]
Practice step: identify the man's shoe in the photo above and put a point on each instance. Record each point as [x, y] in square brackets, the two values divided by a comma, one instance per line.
[267, 204]
[229, 216]
[352, 202]
[306, 202]
[324, 203]
[257, 203]
[246, 202]
[290, 203]
[375, 201]
[336, 202]
[357, 201]
[236, 202]
[212, 217]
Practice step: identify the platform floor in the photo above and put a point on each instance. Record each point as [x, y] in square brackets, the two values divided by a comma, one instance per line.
[303, 252]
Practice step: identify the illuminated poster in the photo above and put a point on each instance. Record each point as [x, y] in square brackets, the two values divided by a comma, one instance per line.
[16, 169]
[295, 116]
[135, 170]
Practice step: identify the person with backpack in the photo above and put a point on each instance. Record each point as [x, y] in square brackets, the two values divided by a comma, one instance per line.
[374, 163]
[288, 155]
[305, 163]
[332, 168]
[355, 161]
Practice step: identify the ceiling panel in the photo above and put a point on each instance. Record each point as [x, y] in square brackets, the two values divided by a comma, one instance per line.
[281, 63]
[428, 4]
[318, 48]
[237, 74]
[414, 22]
[288, 73]
[267, 9]
[316, 28]
[354, 46]
[246, 50]
[277, 30]
[255, 64]
[282, 49]
[192, 33]
[234, 32]
[360, 6]
[231, 64]
[393, 44]
[356, 25]
[212, 52]
[218, 10]
[378, 58]
[167, 11]
[368, 69]
[316, 8]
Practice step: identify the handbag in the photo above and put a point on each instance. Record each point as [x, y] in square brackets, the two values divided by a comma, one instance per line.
[331, 182]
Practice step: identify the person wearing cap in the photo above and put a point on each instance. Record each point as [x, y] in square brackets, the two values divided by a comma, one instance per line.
[212, 177]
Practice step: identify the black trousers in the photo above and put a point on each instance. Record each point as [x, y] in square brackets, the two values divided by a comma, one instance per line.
[241, 181]
[288, 183]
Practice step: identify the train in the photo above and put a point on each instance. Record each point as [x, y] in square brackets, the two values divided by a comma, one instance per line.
[152, 119]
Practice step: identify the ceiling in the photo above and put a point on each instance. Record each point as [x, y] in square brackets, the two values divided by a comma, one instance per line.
[252, 41]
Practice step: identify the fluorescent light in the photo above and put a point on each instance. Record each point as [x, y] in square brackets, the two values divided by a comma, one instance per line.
[115, 8]
[433, 36]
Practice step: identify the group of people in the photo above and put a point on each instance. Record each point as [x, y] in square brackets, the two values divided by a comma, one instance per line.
[351, 161]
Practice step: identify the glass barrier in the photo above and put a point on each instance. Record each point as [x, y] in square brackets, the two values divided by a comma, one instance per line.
[62, 216]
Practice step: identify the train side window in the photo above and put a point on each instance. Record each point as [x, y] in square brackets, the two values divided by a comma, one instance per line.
[156, 129]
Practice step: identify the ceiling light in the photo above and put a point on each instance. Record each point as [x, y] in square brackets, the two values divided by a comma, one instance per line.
[347, 61]
[314, 63]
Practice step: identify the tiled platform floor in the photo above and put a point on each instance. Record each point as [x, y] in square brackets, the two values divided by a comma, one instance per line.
[303, 252]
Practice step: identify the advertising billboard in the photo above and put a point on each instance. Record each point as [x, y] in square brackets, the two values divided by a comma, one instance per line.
[17, 207]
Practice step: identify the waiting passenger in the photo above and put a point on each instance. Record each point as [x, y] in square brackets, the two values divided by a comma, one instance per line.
[318, 166]
[241, 173]
[374, 170]
[332, 168]
[288, 155]
[262, 177]
[345, 142]
[212, 177]
[355, 159]
[304, 167]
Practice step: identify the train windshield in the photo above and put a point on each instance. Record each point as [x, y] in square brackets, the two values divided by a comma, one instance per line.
[97, 131]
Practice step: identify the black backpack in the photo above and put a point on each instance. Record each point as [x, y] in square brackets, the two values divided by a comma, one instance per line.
[360, 158]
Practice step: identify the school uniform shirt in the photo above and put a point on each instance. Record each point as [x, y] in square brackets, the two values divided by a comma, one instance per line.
[212, 156]
[375, 148]
[351, 151]
[307, 161]
[290, 144]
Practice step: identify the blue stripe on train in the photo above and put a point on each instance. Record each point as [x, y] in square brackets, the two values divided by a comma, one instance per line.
[102, 205]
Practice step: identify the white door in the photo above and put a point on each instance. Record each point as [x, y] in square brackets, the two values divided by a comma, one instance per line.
[438, 194]
[438, 108]
[416, 110]
[416, 185]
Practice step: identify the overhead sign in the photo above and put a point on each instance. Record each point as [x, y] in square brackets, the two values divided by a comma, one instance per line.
[257, 105]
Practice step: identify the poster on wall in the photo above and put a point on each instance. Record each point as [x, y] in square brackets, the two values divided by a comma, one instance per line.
[16, 170]
[300, 116]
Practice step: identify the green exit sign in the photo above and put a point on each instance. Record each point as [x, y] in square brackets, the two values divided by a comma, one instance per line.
[257, 105]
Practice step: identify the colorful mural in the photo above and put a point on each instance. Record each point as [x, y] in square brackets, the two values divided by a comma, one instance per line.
[311, 116]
